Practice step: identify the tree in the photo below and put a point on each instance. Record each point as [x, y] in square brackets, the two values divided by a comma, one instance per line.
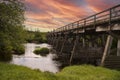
[12, 33]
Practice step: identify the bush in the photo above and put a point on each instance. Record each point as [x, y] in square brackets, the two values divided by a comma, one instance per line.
[41, 51]
[12, 31]
[19, 50]
[5, 57]
[5, 48]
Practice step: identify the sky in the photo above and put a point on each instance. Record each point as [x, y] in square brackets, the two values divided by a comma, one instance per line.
[46, 15]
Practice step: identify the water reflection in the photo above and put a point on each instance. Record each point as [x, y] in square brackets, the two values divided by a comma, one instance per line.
[33, 61]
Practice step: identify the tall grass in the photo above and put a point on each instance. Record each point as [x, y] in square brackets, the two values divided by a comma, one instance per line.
[84, 72]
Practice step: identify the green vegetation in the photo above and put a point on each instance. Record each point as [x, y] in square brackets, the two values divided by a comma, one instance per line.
[13, 72]
[12, 33]
[88, 72]
[19, 50]
[36, 37]
[84, 72]
[41, 51]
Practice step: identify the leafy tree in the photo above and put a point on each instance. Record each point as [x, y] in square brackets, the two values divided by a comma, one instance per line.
[12, 33]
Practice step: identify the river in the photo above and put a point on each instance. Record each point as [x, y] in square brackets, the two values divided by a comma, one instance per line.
[34, 61]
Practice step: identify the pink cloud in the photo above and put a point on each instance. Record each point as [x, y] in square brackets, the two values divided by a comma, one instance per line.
[99, 5]
[57, 13]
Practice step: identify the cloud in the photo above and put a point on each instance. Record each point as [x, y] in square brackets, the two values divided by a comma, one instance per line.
[99, 5]
[56, 13]
[52, 13]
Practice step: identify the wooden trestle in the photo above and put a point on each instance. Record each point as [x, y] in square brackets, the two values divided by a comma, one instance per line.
[94, 40]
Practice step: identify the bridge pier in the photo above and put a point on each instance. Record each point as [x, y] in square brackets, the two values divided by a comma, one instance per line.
[118, 48]
[60, 44]
[53, 42]
[57, 42]
[63, 44]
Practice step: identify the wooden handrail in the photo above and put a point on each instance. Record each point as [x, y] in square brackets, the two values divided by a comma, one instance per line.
[106, 14]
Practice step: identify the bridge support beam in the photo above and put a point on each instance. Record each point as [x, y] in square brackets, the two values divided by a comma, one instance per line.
[54, 42]
[83, 41]
[74, 48]
[57, 42]
[107, 49]
[118, 48]
[90, 44]
[50, 41]
[63, 44]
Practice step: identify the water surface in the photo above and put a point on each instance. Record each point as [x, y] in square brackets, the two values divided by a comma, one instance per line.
[34, 61]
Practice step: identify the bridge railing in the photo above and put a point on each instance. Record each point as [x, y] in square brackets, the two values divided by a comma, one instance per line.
[104, 16]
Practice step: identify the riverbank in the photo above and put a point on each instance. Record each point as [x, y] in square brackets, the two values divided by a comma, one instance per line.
[84, 72]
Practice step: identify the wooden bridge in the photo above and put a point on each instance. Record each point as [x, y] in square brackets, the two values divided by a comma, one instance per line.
[94, 40]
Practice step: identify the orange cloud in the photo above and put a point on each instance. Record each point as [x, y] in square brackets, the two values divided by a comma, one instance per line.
[99, 5]
[57, 13]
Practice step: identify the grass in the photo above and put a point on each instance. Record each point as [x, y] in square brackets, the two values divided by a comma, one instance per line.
[13, 72]
[87, 72]
[41, 51]
[84, 72]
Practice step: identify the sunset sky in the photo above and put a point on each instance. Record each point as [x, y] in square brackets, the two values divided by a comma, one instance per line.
[47, 15]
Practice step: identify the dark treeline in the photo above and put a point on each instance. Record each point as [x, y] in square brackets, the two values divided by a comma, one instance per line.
[36, 37]
[12, 34]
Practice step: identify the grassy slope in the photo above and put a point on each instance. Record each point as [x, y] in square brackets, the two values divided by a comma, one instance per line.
[85, 72]
[13, 72]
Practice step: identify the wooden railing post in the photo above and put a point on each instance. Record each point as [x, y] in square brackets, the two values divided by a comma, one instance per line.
[110, 17]
[94, 21]
[84, 22]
